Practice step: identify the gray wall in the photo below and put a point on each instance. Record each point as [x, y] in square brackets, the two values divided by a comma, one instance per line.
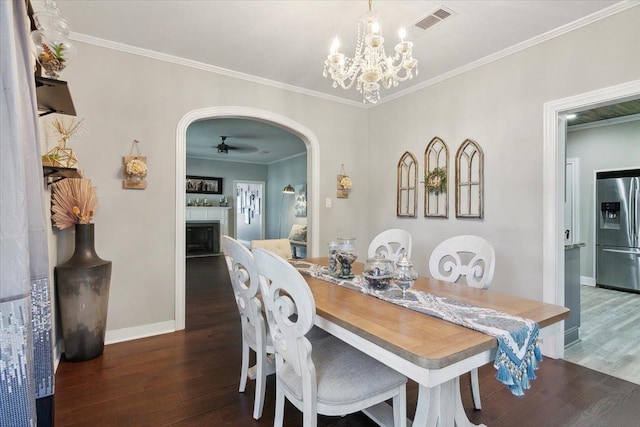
[136, 229]
[291, 171]
[276, 176]
[613, 146]
[499, 105]
[228, 171]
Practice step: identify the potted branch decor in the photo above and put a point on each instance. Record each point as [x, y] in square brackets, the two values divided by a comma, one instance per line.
[82, 283]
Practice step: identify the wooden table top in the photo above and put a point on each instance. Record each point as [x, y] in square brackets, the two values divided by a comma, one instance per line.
[424, 340]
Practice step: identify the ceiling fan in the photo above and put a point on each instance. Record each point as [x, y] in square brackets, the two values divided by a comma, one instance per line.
[223, 147]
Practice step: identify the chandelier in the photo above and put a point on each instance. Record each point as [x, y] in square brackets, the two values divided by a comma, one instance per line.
[370, 67]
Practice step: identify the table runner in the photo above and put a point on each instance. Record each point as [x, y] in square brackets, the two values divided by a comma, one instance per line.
[518, 352]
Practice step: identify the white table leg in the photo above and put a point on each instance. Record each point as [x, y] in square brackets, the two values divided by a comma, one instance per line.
[441, 406]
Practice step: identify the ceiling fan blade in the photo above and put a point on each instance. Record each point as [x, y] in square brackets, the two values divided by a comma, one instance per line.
[223, 147]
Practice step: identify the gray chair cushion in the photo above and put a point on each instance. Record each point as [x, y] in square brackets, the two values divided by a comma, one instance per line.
[344, 374]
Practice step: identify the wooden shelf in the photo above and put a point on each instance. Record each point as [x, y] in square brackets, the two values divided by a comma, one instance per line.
[53, 97]
[56, 173]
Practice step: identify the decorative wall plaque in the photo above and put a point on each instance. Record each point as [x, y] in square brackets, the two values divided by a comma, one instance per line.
[436, 179]
[135, 169]
[469, 180]
[407, 194]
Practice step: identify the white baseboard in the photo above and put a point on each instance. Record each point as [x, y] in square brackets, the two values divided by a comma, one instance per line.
[120, 335]
[587, 281]
[128, 334]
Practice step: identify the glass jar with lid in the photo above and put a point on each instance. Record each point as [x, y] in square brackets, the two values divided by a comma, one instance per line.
[378, 272]
[346, 255]
[404, 275]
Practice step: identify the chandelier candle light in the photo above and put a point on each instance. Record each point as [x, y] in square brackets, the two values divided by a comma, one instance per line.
[370, 67]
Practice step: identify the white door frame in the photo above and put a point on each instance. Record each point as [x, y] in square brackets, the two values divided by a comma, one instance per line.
[249, 113]
[574, 162]
[553, 161]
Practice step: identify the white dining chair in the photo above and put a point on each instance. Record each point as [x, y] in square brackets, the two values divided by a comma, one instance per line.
[244, 279]
[323, 376]
[392, 244]
[469, 257]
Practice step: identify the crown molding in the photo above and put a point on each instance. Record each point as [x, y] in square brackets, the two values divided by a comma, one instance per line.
[287, 158]
[96, 41]
[594, 17]
[590, 19]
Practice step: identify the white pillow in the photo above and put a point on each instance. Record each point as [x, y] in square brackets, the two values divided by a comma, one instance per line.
[298, 233]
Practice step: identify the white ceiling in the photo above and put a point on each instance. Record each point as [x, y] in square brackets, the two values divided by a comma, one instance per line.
[285, 42]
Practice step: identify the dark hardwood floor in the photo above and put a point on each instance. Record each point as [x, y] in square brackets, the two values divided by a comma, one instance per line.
[190, 378]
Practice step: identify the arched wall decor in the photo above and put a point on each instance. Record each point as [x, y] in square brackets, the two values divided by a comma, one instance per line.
[469, 180]
[436, 179]
[407, 192]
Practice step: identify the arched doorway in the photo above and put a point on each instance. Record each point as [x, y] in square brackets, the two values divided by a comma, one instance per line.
[313, 183]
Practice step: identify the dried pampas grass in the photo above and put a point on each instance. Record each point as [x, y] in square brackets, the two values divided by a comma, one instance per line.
[74, 202]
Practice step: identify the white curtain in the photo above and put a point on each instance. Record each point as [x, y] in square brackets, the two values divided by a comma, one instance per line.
[26, 362]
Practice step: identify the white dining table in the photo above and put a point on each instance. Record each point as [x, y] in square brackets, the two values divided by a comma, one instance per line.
[430, 351]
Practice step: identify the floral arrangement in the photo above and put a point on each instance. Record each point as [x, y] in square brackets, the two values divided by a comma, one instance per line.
[436, 180]
[74, 201]
[136, 167]
[346, 183]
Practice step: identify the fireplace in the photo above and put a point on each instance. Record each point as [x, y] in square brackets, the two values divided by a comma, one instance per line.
[202, 239]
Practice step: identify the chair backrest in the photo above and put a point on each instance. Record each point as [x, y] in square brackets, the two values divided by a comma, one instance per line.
[392, 244]
[291, 311]
[246, 284]
[469, 256]
[280, 247]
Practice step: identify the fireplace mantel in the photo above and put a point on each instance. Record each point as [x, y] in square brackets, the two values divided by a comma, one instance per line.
[209, 214]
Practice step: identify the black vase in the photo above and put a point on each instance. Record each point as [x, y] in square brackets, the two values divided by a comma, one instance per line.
[82, 286]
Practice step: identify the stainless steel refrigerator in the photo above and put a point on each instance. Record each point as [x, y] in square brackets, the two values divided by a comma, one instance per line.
[618, 229]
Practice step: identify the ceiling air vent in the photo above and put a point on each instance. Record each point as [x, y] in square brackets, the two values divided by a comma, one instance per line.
[434, 18]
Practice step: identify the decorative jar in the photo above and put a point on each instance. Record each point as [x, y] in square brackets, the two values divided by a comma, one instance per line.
[404, 275]
[378, 272]
[53, 52]
[346, 255]
[332, 249]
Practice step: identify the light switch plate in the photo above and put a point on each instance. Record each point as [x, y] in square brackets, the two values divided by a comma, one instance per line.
[327, 202]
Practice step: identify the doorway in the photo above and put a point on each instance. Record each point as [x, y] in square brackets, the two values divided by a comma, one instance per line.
[313, 182]
[554, 158]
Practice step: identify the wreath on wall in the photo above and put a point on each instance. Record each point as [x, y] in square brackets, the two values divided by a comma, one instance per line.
[436, 180]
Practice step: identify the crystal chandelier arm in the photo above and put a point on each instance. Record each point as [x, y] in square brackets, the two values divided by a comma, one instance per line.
[343, 76]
